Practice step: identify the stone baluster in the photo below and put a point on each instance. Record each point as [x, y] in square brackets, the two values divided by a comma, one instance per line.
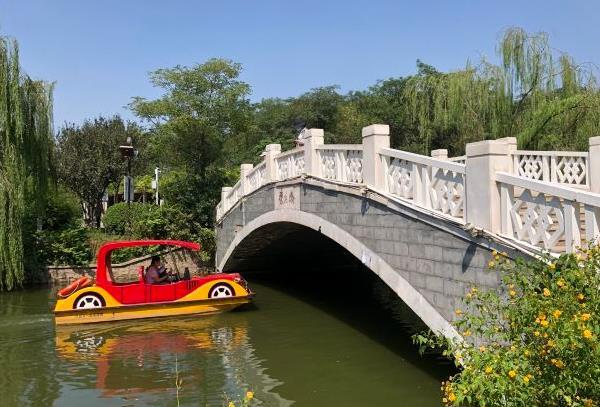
[484, 160]
[313, 138]
[271, 150]
[440, 154]
[593, 164]
[374, 138]
[245, 186]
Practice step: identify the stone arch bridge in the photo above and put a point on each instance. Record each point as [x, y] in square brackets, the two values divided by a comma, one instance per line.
[425, 225]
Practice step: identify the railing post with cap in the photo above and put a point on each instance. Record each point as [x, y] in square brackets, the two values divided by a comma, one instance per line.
[483, 200]
[374, 138]
[313, 138]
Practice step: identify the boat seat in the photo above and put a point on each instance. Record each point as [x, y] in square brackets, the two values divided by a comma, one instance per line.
[142, 275]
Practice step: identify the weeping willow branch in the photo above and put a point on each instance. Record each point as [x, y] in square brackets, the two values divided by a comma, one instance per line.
[25, 146]
[529, 94]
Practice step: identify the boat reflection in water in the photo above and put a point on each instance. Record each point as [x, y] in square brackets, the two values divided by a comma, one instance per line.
[141, 361]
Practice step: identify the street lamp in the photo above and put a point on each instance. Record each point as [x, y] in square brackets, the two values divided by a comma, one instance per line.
[128, 152]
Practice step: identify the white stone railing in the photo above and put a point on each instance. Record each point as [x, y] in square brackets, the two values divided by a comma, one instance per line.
[431, 183]
[460, 159]
[257, 177]
[550, 200]
[341, 162]
[290, 164]
[563, 167]
[232, 195]
[547, 215]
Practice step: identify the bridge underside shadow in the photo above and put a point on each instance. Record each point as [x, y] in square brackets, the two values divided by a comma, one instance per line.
[289, 247]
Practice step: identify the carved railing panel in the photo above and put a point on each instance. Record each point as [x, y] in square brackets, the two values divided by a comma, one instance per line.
[552, 166]
[438, 185]
[447, 192]
[547, 216]
[290, 164]
[257, 176]
[341, 163]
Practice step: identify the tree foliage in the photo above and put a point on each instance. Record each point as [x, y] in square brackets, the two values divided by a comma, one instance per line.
[25, 151]
[541, 97]
[88, 160]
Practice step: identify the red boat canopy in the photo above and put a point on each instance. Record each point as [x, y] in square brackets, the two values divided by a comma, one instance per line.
[107, 248]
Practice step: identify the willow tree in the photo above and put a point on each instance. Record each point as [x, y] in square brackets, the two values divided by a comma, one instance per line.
[25, 146]
[536, 94]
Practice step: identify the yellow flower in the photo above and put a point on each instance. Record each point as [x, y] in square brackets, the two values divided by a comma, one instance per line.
[458, 312]
[249, 395]
[512, 293]
[513, 348]
[580, 297]
[585, 316]
[512, 374]
[491, 264]
[526, 379]
[560, 283]
[494, 252]
[550, 343]
[488, 370]
[526, 353]
[473, 290]
[557, 313]
[546, 292]
[552, 266]
[451, 397]
[231, 404]
[587, 334]
[536, 333]
[544, 322]
[482, 348]
[559, 364]
[467, 333]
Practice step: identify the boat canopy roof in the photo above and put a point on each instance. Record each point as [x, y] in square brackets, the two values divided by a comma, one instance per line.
[107, 248]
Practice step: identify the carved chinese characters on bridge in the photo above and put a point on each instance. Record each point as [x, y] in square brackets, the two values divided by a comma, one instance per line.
[287, 197]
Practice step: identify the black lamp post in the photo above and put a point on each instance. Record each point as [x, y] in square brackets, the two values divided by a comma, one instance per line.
[128, 152]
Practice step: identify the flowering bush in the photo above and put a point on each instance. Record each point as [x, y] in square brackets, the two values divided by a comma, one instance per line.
[534, 341]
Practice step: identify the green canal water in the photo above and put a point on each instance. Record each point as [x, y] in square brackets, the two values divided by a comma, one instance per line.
[334, 341]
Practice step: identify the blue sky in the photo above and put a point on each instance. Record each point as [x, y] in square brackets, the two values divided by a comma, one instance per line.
[100, 52]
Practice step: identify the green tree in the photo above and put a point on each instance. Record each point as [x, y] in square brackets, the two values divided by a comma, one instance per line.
[88, 160]
[25, 153]
[541, 97]
[203, 109]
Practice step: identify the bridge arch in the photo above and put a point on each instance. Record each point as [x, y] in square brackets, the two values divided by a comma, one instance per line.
[405, 291]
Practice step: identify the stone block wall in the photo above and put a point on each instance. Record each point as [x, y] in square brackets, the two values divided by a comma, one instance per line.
[440, 260]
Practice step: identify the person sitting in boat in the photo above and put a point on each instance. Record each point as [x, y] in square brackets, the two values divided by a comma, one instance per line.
[156, 273]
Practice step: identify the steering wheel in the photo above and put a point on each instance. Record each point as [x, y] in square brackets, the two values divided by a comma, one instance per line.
[175, 277]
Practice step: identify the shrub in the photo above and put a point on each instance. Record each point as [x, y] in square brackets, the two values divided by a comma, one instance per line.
[536, 340]
[68, 246]
[120, 217]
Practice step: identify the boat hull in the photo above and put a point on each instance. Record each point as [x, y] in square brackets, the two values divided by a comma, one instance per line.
[149, 310]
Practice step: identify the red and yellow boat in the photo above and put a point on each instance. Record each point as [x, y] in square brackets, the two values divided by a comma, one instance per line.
[105, 300]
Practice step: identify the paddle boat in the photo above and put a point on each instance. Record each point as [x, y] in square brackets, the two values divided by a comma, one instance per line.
[103, 300]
